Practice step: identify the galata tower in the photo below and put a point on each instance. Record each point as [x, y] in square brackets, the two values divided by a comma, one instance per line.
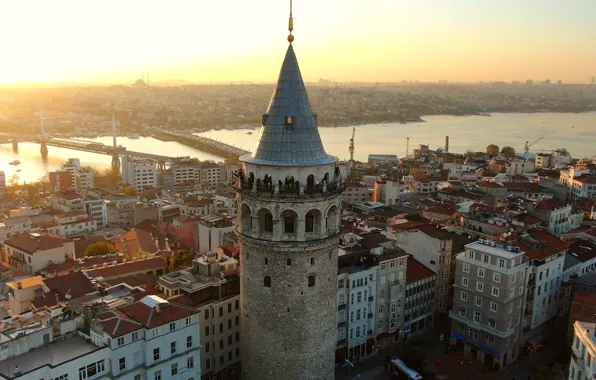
[289, 194]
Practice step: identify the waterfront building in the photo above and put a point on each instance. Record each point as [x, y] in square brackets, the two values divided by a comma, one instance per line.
[139, 173]
[583, 351]
[289, 195]
[488, 300]
[60, 181]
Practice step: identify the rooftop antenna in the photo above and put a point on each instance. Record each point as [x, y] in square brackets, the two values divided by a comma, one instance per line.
[291, 25]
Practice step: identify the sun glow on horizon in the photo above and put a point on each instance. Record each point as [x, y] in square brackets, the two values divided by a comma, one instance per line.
[350, 40]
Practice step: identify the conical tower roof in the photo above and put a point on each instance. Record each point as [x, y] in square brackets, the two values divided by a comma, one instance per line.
[289, 134]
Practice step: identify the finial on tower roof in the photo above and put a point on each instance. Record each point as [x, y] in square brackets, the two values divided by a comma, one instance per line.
[291, 25]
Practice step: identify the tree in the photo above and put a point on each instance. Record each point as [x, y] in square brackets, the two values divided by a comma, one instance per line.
[508, 151]
[129, 190]
[492, 149]
[180, 258]
[100, 248]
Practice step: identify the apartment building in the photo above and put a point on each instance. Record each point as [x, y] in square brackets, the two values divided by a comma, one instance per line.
[139, 173]
[489, 290]
[556, 216]
[432, 246]
[71, 166]
[32, 252]
[150, 339]
[390, 295]
[2, 184]
[185, 170]
[579, 181]
[356, 192]
[209, 232]
[60, 181]
[84, 179]
[356, 288]
[211, 173]
[583, 351]
[546, 255]
[213, 289]
[419, 305]
[72, 223]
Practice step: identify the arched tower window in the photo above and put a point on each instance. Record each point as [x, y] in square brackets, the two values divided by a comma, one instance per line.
[289, 218]
[245, 219]
[312, 221]
[267, 281]
[312, 261]
[311, 281]
[266, 261]
[310, 183]
[332, 219]
[265, 220]
[289, 262]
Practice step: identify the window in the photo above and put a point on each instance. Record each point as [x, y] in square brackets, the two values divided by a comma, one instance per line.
[288, 262]
[490, 340]
[497, 277]
[190, 362]
[206, 330]
[237, 336]
[461, 327]
[189, 341]
[134, 336]
[122, 364]
[480, 286]
[465, 281]
[464, 296]
[62, 377]
[471, 254]
[120, 341]
[221, 328]
[267, 281]
[477, 316]
[493, 306]
[206, 314]
[237, 320]
[174, 369]
[501, 263]
[466, 268]
[236, 304]
[156, 353]
[172, 326]
[207, 364]
[172, 348]
[188, 321]
[311, 281]
[137, 376]
[229, 355]
[289, 121]
[485, 259]
[481, 272]
[383, 266]
[478, 301]
[289, 224]
[312, 261]
[91, 370]
[495, 291]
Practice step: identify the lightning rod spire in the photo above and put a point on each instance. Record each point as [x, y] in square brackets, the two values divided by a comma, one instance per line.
[291, 25]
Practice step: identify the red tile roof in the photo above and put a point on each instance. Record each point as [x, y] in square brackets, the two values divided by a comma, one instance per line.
[443, 209]
[150, 317]
[541, 244]
[29, 243]
[435, 231]
[585, 179]
[117, 323]
[416, 271]
[63, 288]
[490, 184]
[392, 254]
[135, 240]
[131, 267]
[69, 195]
[84, 262]
[135, 280]
[548, 204]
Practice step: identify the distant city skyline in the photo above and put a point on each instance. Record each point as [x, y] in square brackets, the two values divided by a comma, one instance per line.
[344, 41]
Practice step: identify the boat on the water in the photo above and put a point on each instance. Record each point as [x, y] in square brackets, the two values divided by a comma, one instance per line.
[249, 133]
[15, 162]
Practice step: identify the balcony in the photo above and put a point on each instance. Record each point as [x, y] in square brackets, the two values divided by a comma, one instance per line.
[531, 282]
[341, 306]
[341, 324]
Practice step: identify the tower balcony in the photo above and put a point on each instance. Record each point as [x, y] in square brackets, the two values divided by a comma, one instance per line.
[291, 190]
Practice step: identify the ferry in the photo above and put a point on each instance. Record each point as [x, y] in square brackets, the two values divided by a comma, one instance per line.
[249, 133]
[15, 162]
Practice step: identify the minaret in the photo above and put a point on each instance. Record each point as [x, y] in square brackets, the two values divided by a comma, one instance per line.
[351, 163]
[289, 195]
[43, 149]
[115, 156]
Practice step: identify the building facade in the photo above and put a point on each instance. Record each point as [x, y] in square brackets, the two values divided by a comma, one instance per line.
[289, 195]
[583, 351]
[139, 173]
[486, 319]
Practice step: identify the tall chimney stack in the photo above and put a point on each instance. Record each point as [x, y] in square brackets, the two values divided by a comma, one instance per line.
[446, 143]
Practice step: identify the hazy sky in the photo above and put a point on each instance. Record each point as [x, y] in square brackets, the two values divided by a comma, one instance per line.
[345, 40]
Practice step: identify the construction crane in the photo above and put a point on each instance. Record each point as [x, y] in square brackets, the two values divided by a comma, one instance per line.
[528, 145]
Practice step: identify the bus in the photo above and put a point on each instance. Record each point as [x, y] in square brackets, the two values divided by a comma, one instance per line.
[402, 371]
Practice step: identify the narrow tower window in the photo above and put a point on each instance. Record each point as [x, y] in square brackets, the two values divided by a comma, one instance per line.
[267, 281]
[310, 222]
[311, 280]
[289, 262]
[289, 121]
[266, 261]
[312, 261]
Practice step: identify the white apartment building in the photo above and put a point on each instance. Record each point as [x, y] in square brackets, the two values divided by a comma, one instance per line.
[14, 225]
[71, 166]
[211, 173]
[583, 351]
[393, 192]
[432, 247]
[214, 290]
[419, 304]
[545, 276]
[73, 223]
[579, 181]
[209, 233]
[557, 216]
[519, 167]
[139, 173]
[390, 295]
[150, 339]
[356, 302]
[97, 209]
[2, 184]
[84, 179]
